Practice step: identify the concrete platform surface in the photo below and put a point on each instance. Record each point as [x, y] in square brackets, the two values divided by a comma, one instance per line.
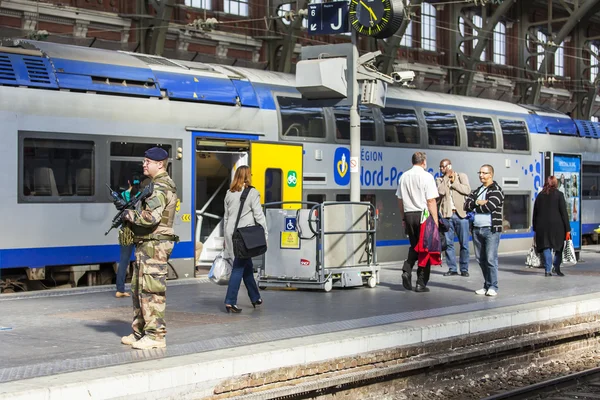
[60, 343]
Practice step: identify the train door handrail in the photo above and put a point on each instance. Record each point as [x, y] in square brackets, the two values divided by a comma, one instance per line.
[200, 214]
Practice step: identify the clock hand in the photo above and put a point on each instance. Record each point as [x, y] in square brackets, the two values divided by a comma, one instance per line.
[369, 10]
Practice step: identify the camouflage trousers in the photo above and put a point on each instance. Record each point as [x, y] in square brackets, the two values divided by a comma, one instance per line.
[149, 288]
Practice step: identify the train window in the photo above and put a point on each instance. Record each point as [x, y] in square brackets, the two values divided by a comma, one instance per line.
[515, 212]
[591, 180]
[590, 186]
[363, 197]
[123, 173]
[401, 126]
[299, 119]
[515, 135]
[342, 122]
[125, 149]
[58, 168]
[316, 198]
[273, 186]
[442, 128]
[591, 168]
[480, 132]
[126, 163]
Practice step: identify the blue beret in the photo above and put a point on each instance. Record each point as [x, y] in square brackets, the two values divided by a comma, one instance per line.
[156, 154]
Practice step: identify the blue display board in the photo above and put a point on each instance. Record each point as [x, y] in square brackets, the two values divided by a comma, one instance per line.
[567, 169]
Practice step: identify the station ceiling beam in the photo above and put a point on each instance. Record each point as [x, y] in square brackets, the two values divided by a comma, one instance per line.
[585, 91]
[291, 38]
[464, 81]
[579, 15]
[392, 44]
[153, 29]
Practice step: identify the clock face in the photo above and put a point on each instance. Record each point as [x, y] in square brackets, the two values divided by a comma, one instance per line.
[376, 18]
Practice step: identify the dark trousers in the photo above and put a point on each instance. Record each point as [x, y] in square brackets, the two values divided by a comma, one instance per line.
[458, 227]
[413, 229]
[242, 269]
[126, 252]
[547, 259]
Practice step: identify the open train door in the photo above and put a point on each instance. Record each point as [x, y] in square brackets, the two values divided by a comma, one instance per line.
[277, 171]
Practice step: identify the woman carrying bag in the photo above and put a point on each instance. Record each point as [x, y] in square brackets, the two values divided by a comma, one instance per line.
[242, 210]
[551, 225]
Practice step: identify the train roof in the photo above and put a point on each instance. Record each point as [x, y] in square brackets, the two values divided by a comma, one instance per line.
[60, 66]
[132, 71]
[406, 94]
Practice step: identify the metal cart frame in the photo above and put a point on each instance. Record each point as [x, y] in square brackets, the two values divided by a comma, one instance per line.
[325, 276]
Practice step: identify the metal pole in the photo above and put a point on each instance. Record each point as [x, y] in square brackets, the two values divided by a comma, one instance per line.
[354, 126]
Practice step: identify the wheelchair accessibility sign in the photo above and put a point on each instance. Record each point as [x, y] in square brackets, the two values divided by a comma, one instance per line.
[290, 224]
[289, 235]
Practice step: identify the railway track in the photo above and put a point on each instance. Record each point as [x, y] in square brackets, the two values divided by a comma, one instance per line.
[581, 385]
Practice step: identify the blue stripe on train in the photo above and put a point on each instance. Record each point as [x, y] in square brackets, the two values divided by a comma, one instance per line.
[76, 255]
[589, 228]
[405, 242]
[81, 255]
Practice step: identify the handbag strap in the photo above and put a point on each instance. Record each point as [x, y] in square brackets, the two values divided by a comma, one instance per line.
[242, 201]
[482, 189]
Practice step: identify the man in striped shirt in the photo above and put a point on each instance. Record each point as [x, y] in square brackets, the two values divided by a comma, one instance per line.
[486, 203]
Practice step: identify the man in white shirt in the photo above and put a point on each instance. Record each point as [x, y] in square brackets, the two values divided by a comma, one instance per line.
[416, 192]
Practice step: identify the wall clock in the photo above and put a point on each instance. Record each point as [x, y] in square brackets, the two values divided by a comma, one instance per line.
[376, 18]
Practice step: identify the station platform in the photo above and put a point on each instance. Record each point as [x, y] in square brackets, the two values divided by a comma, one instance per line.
[65, 344]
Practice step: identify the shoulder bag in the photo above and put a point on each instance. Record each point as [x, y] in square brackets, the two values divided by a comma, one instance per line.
[248, 241]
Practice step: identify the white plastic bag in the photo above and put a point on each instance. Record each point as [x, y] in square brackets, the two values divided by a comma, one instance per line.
[533, 258]
[221, 270]
[568, 255]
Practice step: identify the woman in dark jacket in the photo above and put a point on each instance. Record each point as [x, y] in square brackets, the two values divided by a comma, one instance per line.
[551, 225]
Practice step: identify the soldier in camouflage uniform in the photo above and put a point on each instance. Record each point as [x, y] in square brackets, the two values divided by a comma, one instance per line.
[154, 238]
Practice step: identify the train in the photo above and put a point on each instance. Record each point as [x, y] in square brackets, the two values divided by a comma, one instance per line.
[76, 119]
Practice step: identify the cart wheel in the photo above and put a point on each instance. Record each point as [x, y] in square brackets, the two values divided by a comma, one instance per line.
[328, 285]
[371, 282]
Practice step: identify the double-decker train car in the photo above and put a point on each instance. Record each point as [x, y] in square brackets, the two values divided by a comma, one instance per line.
[75, 119]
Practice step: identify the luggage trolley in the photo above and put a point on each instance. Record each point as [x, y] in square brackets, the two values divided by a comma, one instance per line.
[325, 245]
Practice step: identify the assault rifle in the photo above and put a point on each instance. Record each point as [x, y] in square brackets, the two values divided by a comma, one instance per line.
[123, 206]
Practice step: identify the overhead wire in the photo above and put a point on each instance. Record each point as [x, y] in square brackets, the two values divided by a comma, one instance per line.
[306, 39]
[235, 24]
[440, 24]
[249, 20]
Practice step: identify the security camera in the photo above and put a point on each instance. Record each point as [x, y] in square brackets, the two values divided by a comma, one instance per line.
[403, 76]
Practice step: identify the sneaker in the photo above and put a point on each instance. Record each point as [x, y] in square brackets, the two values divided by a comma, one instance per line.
[481, 291]
[491, 292]
[122, 294]
[146, 343]
[129, 340]
[451, 273]
[465, 274]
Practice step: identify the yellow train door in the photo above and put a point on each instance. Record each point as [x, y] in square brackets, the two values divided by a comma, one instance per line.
[277, 171]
